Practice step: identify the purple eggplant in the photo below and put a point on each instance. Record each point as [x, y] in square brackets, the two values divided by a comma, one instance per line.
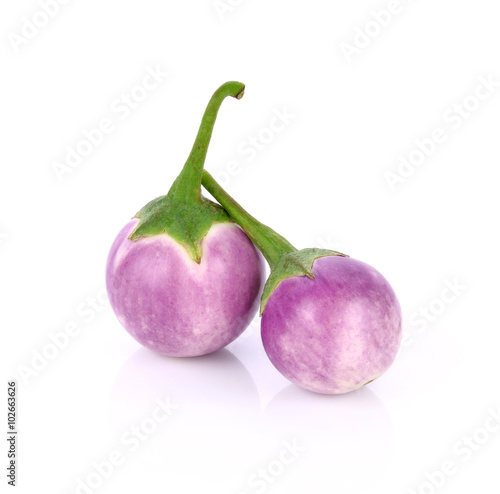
[182, 278]
[330, 323]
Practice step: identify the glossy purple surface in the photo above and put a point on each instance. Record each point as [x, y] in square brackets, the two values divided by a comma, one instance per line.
[334, 333]
[177, 307]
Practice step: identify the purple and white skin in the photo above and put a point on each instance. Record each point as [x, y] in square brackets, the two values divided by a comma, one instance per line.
[182, 278]
[330, 323]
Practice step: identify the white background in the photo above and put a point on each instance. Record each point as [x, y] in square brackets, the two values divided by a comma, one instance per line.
[321, 181]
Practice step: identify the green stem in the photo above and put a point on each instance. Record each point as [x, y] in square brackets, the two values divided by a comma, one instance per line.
[187, 185]
[272, 245]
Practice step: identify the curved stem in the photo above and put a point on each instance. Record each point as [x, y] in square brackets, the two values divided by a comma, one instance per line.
[188, 183]
[272, 245]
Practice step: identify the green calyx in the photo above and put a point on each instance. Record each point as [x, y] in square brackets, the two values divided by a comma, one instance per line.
[283, 258]
[297, 263]
[187, 223]
[184, 213]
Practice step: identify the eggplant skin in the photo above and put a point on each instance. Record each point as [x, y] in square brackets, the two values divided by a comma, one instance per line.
[336, 332]
[176, 307]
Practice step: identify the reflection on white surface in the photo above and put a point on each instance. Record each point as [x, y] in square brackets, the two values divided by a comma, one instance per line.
[215, 384]
[212, 430]
[350, 436]
[345, 441]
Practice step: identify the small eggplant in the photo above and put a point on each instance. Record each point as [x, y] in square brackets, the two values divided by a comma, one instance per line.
[330, 323]
[182, 278]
